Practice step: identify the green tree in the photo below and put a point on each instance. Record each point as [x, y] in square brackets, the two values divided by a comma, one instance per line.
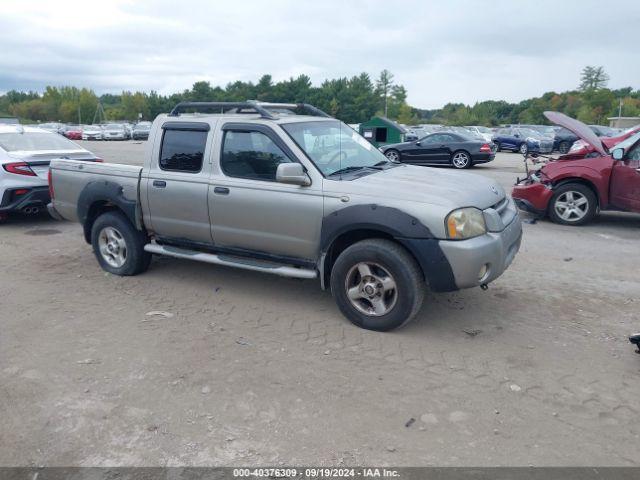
[384, 85]
[593, 78]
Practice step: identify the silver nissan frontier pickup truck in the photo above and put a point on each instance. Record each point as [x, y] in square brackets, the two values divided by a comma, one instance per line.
[286, 189]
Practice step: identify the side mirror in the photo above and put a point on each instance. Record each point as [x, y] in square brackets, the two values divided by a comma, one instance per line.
[618, 153]
[517, 135]
[292, 173]
[418, 143]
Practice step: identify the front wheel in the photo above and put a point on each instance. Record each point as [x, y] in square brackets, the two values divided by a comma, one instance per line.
[523, 148]
[377, 285]
[392, 155]
[118, 245]
[461, 160]
[572, 204]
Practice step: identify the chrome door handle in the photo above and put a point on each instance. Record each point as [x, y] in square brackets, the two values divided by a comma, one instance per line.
[159, 183]
[221, 190]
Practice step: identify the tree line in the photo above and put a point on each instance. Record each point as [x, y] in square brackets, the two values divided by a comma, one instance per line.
[352, 100]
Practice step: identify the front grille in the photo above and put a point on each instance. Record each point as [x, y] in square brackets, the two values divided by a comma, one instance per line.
[499, 215]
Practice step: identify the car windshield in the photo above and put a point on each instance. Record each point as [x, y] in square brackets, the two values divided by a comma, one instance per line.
[93, 128]
[484, 130]
[142, 127]
[29, 141]
[114, 126]
[333, 146]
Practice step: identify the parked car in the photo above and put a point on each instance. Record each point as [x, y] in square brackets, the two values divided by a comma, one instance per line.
[91, 132]
[581, 149]
[114, 131]
[602, 131]
[481, 131]
[563, 139]
[25, 153]
[572, 191]
[72, 132]
[294, 195]
[141, 131]
[443, 148]
[523, 140]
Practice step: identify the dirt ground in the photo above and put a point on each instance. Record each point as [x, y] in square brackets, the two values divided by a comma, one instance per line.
[254, 369]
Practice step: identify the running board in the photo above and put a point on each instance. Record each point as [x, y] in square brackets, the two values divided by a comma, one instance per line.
[231, 261]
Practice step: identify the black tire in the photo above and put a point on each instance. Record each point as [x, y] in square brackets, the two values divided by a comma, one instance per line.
[564, 147]
[136, 259]
[523, 148]
[497, 144]
[560, 196]
[392, 153]
[399, 264]
[469, 162]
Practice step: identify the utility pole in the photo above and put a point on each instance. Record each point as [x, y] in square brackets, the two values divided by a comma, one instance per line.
[620, 108]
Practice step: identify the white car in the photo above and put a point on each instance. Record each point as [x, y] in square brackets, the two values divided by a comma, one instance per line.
[115, 131]
[481, 131]
[25, 154]
[91, 132]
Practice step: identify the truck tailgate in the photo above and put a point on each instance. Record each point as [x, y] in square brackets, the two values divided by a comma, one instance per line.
[70, 177]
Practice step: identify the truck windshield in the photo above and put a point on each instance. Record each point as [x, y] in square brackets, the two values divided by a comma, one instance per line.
[333, 146]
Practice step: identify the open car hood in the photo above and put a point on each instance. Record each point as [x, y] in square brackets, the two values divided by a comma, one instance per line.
[579, 128]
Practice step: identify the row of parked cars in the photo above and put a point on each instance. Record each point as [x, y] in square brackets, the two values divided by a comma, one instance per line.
[106, 131]
[542, 139]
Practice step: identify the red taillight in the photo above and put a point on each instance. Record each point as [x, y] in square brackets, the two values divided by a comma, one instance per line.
[50, 180]
[99, 160]
[485, 148]
[19, 168]
[22, 191]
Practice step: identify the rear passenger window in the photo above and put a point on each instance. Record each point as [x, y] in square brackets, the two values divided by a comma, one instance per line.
[182, 150]
[251, 155]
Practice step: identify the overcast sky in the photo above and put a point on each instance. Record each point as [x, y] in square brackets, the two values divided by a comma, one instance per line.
[441, 51]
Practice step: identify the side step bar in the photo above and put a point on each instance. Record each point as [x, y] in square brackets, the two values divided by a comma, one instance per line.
[231, 261]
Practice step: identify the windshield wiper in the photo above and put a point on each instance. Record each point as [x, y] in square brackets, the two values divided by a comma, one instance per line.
[346, 169]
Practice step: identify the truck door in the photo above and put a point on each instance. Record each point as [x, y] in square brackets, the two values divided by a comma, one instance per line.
[178, 182]
[624, 191]
[250, 210]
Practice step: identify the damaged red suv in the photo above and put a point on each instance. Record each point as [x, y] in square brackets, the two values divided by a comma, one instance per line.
[572, 191]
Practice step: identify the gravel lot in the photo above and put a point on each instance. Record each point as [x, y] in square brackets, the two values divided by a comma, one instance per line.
[254, 369]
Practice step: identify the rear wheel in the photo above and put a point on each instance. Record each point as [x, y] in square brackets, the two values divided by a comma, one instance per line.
[377, 285]
[392, 155]
[564, 147]
[573, 204]
[497, 144]
[118, 245]
[461, 159]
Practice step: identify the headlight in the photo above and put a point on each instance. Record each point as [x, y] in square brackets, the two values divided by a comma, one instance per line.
[465, 223]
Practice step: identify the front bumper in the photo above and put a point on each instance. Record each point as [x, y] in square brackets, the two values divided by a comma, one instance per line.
[532, 196]
[35, 197]
[491, 253]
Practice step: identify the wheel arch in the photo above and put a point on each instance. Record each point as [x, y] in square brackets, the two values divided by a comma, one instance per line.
[344, 227]
[582, 181]
[99, 197]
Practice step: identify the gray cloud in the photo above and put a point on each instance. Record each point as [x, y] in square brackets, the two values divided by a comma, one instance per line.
[460, 50]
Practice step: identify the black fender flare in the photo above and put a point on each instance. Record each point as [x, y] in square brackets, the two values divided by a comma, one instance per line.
[104, 191]
[402, 227]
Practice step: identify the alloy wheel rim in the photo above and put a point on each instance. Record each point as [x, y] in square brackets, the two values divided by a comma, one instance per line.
[393, 156]
[112, 246]
[371, 289]
[460, 160]
[571, 206]
[523, 148]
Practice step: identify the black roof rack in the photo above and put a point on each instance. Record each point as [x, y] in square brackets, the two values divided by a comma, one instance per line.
[265, 110]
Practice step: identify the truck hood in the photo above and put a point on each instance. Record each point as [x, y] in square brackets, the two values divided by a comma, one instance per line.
[580, 129]
[434, 186]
